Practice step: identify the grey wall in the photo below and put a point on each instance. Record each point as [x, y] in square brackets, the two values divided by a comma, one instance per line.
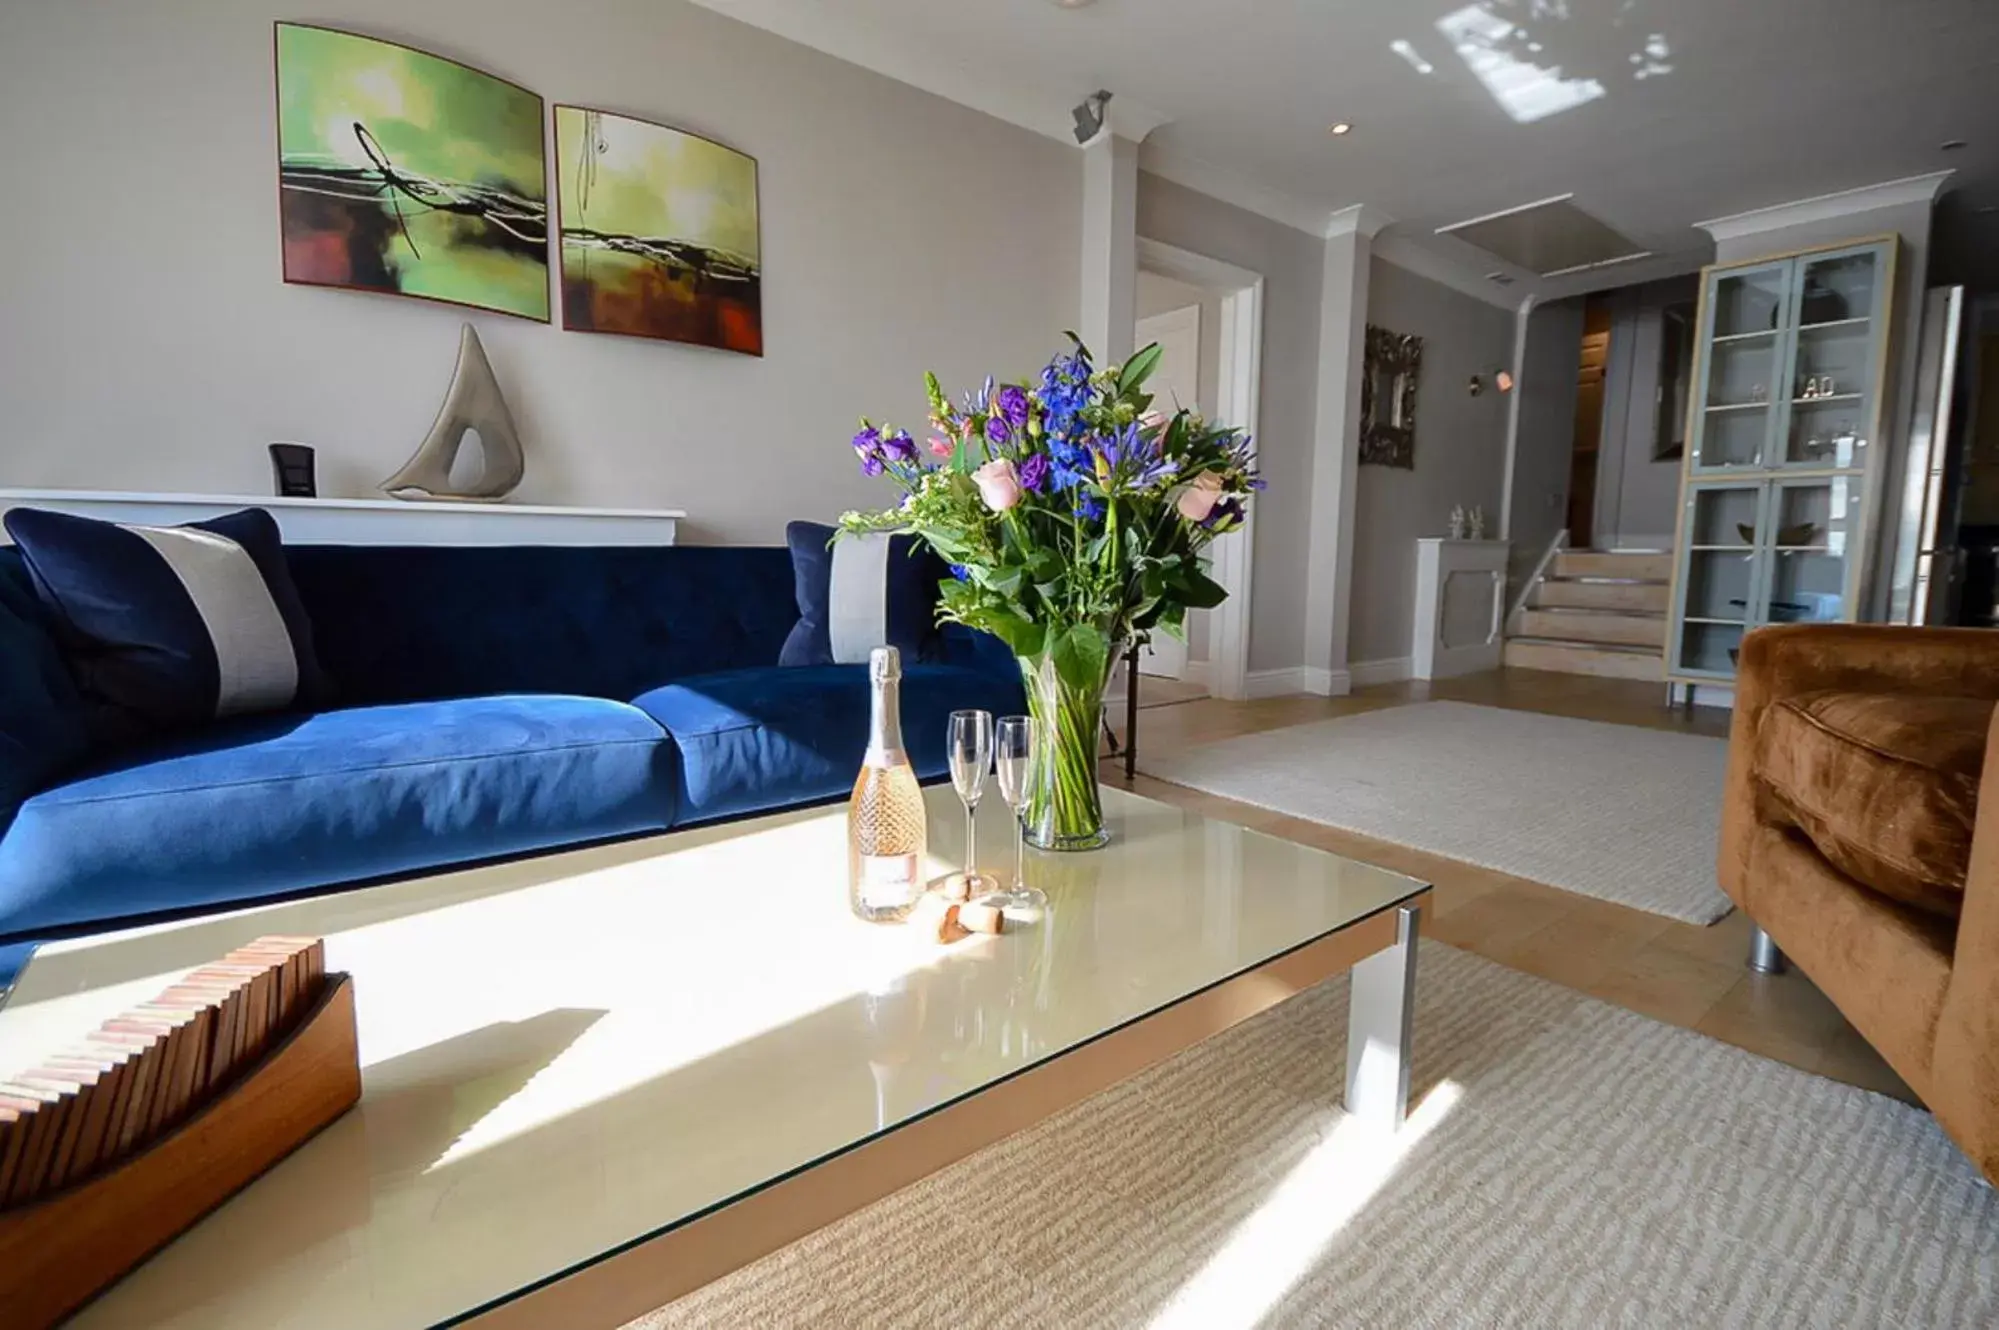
[1290, 262]
[1911, 222]
[149, 344]
[1460, 451]
[1637, 498]
[1544, 443]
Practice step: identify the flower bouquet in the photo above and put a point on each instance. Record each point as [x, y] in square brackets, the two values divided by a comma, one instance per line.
[1073, 517]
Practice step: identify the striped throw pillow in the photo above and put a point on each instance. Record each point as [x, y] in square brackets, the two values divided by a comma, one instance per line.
[858, 593]
[170, 627]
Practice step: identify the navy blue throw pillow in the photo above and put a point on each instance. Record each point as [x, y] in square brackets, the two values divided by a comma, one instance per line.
[169, 627]
[858, 593]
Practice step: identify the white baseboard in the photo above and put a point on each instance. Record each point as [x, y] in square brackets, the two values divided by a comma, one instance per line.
[1196, 673]
[1366, 672]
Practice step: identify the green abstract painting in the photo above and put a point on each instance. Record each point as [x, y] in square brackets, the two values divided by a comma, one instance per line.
[404, 172]
[659, 232]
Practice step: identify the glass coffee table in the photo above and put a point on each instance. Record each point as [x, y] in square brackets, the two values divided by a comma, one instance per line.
[596, 1080]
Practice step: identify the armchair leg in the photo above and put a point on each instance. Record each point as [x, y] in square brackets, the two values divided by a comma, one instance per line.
[1764, 958]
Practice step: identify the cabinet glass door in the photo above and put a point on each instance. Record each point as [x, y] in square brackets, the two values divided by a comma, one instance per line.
[1718, 589]
[1830, 388]
[1813, 525]
[1740, 379]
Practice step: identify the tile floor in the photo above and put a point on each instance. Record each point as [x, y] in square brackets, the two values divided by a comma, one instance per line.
[1681, 973]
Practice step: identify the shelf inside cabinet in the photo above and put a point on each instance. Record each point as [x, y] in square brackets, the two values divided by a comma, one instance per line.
[1827, 400]
[1739, 406]
[1831, 324]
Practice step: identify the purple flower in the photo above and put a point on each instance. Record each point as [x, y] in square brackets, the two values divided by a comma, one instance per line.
[1034, 473]
[997, 429]
[898, 447]
[871, 465]
[868, 442]
[1011, 404]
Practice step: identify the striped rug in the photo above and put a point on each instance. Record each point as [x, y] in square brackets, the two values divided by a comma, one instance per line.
[1569, 1164]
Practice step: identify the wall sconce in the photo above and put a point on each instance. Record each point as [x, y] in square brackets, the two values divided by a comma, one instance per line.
[1503, 380]
[1476, 386]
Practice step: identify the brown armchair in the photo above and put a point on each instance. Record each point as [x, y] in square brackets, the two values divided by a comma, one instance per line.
[1851, 834]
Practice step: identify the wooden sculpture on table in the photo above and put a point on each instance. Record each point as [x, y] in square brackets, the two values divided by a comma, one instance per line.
[473, 404]
[110, 1148]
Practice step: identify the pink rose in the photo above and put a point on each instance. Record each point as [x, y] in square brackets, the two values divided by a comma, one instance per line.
[999, 484]
[941, 446]
[1203, 492]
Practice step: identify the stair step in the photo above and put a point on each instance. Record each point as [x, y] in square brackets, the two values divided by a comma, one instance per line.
[1632, 565]
[1575, 594]
[1609, 662]
[1601, 626]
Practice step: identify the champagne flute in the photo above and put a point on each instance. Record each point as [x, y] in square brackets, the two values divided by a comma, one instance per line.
[1014, 749]
[969, 744]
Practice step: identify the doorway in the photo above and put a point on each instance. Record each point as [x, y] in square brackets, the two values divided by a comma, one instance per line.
[1586, 458]
[1225, 331]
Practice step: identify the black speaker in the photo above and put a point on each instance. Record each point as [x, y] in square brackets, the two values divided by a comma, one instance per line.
[291, 471]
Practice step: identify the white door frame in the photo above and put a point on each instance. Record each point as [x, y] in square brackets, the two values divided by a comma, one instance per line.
[1241, 342]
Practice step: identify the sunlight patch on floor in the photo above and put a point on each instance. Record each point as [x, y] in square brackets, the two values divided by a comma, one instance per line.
[1271, 1251]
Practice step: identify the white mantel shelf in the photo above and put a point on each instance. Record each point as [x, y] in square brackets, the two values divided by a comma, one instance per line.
[333, 521]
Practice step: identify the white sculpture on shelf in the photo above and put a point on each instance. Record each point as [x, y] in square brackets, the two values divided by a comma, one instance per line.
[1475, 524]
[473, 404]
[1459, 524]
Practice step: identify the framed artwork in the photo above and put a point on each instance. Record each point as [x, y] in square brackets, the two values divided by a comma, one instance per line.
[1393, 363]
[410, 174]
[659, 232]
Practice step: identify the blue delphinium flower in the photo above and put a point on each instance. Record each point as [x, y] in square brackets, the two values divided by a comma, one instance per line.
[1090, 507]
[1064, 392]
[961, 572]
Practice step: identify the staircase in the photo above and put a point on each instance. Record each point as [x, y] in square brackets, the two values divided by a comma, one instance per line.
[1600, 612]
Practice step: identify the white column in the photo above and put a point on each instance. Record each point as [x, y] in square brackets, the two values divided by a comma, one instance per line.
[1336, 446]
[1109, 305]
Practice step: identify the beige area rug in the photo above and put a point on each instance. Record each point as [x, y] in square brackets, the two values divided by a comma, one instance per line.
[1569, 1163]
[1617, 812]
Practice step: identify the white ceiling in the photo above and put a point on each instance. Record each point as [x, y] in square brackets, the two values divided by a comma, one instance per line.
[1655, 114]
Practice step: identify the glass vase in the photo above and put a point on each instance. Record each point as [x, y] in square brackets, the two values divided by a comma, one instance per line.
[1063, 809]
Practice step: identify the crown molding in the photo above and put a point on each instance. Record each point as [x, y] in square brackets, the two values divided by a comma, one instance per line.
[1216, 182]
[941, 71]
[1361, 218]
[1825, 207]
[1412, 255]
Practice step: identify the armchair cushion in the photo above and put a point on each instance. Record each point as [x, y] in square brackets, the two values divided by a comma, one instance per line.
[1885, 785]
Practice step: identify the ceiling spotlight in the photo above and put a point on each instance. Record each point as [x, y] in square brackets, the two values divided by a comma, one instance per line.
[1502, 380]
[1071, 4]
[1089, 116]
[1339, 129]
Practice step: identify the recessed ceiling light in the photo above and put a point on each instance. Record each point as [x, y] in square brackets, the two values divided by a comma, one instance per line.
[1952, 145]
[1339, 128]
[1071, 4]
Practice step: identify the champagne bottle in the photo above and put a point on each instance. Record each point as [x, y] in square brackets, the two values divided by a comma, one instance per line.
[885, 830]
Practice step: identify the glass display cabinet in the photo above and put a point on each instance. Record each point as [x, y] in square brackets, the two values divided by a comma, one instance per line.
[1785, 417]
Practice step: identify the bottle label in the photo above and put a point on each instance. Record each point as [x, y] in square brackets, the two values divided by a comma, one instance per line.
[888, 880]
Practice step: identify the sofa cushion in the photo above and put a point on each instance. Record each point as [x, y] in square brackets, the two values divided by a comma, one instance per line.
[1885, 785]
[272, 804]
[173, 627]
[42, 728]
[756, 739]
[859, 592]
[410, 623]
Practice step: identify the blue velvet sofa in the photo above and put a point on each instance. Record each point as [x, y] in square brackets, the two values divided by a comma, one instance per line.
[492, 702]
